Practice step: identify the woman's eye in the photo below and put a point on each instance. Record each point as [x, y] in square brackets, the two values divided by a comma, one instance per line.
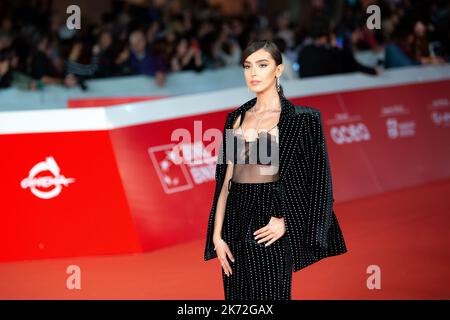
[263, 65]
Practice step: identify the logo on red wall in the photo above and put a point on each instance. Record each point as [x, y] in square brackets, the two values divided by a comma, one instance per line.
[400, 129]
[45, 179]
[182, 166]
[440, 115]
[172, 172]
[347, 129]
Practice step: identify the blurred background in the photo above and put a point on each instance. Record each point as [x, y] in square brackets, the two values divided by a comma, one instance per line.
[169, 42]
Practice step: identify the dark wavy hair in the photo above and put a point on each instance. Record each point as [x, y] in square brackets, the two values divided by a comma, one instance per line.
[270, 47]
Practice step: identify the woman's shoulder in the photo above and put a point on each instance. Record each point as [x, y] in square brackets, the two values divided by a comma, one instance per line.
[308, 116]
[307, 110]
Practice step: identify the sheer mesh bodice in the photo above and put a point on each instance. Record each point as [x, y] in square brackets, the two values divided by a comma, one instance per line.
[255, 161]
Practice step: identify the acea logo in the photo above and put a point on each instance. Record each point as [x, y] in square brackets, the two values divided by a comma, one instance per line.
[350, 133]
[46, 186]
[347, 129]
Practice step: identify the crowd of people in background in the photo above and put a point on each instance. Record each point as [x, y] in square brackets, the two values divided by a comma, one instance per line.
[172, 36]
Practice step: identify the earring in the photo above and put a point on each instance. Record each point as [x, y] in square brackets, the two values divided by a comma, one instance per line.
[278, 84]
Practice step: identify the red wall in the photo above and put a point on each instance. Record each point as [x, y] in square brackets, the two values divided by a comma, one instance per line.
[128, 195]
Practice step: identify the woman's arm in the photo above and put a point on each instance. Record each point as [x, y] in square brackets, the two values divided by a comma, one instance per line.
[220, 246]
[221, 202]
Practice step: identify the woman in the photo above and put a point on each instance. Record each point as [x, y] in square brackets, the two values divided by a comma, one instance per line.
[272, 218]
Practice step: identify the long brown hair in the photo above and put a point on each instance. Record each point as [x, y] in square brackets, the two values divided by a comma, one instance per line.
[268, 45]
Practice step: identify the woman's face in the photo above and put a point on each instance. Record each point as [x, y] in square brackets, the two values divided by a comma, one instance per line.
[420, 29]
[260, 71]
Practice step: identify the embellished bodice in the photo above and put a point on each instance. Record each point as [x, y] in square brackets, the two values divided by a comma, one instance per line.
[255, 160]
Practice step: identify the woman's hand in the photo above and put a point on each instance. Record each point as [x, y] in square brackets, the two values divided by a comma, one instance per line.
[223, 251]
[273, 231]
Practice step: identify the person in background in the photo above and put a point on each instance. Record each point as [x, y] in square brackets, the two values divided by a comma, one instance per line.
[317, 57]
[142, 61]
[284, 30]
[187, 56]
[322, 56]
[227, 48]
[346, 58]
[41, 67]
[106, 56]
[420, 45]
[409, 46]
[288, 73]
[5, 69]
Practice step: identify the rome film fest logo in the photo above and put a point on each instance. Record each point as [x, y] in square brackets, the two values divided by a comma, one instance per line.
[55, 180]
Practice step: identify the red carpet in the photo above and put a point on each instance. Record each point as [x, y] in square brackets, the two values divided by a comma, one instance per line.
[405, 233]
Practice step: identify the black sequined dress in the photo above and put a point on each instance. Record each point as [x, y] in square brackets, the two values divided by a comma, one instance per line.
[259, 272]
